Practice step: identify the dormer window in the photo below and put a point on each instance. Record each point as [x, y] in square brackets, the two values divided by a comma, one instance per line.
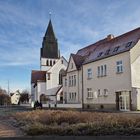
[116, 49]
[107, 52]
[128, 44]
[100, 54]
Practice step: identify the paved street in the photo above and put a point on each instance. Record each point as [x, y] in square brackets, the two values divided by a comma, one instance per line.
[6, 127]
[7, 130]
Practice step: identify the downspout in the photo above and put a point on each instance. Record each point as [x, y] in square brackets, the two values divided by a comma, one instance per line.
[78, 87]
[82, 89]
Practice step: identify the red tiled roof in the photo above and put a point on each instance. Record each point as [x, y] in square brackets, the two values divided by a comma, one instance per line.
[105, 48]
[38, 76]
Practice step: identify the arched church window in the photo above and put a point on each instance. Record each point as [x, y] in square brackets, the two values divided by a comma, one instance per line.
[61, 73]
[54, 62]
[50, 62]
[47, 63]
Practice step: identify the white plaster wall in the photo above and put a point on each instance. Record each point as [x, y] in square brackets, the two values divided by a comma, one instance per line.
[135, 65]
[138, 99]
[54, 73]
[15, 98]
[69, 105]
[71, 61]
[78, 88]
[113, 82]
[135, 74]
[41, 89]
[43, 66]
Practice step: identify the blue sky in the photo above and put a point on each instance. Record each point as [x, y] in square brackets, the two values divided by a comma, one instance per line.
[77, 23]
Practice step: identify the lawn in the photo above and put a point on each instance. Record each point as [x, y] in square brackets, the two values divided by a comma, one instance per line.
[57, 122]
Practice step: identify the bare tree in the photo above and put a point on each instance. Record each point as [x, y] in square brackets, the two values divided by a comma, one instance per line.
[24, 97]
[4, 97]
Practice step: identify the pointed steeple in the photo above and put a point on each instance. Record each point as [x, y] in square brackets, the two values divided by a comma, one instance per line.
[49, 31]
[49, 45]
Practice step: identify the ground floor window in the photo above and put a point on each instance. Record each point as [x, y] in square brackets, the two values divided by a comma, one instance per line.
[89, 93]
[105, 92]
[72, 96]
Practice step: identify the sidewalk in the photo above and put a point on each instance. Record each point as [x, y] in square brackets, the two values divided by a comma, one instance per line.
[6, 130]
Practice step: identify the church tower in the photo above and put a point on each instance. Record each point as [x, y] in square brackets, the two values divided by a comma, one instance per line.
[49, 53]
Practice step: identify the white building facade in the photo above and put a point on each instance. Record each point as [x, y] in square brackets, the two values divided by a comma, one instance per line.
[15, 98]
[107, 74]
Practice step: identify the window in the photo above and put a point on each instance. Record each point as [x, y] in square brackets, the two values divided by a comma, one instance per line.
[54, 62]
[99, 92]
[71, 65]
[47, 63]
[102, 70]
[98, 71]
[49, 76]
[100, 54]
[69, 96]
[128, 44]
[107, 52]
[65, 81]
[72, 96]
[89, 73]
[50, 62]
[61, 61]
[74, 80]
[89, 93]
[69, 81]
[105, 92]
[116, 49]
[65, 97]
[61, 73]
[105, 70]
[119, 66]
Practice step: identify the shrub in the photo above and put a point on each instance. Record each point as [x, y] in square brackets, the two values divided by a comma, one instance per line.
[59, 122]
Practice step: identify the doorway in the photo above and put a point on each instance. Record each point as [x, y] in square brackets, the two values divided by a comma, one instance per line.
[124, 101]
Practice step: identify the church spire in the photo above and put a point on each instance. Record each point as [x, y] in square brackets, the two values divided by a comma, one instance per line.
[49, 45]
[49, 31]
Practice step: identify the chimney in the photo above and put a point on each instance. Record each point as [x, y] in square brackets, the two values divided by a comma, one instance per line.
[109, 37]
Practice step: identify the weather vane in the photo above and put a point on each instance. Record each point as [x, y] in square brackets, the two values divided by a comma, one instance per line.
[50, 14]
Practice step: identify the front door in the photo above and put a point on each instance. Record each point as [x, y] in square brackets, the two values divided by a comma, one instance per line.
[124, 101]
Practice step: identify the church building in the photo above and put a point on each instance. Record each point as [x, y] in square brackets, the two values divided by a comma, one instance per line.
[47, 82]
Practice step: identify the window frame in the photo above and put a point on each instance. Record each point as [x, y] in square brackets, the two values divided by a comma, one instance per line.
[90, 93]
[89, 73]
[119, 67]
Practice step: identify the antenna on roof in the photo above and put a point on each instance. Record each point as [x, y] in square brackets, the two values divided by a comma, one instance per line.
[50, 15]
